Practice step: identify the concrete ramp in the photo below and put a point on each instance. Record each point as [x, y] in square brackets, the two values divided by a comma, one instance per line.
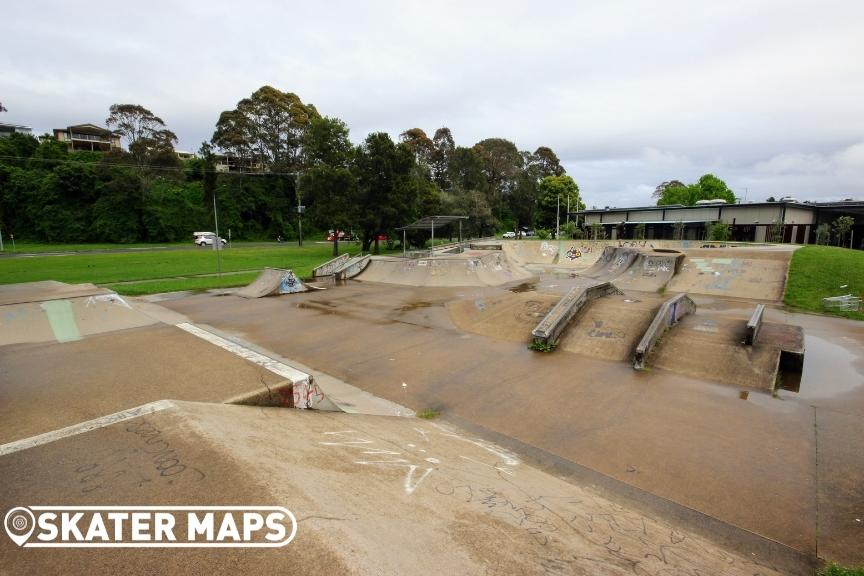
[68, 319]
[352, 267]
[610, 327]
[550, 329]
[273, 282]
[651, 271]
[46, 290]
[612, 263]
[752, 273]
[492, 269]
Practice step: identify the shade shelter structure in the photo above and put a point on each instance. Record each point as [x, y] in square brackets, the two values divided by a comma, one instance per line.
[430, 223]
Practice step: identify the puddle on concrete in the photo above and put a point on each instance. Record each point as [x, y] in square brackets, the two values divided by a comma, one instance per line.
[829, 369]
[524, 287]
[415, 306]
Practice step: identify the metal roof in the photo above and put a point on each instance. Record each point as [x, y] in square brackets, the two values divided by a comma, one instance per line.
[429, 222]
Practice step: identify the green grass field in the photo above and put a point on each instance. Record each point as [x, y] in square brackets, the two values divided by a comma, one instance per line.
[163, 271]
[821, 271]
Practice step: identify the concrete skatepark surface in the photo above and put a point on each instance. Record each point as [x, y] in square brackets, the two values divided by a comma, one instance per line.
[408, 490]
[777, 475]
[682, 438]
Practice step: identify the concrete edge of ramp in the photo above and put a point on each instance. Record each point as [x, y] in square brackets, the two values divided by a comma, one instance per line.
[549, 330]
[784, 558]
[271, 282]
[305, 392]
[312, 386]
[667, 316]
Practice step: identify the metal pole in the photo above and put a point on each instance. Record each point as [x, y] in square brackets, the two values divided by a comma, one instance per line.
[300, 217]
[568, 207]
[558, 223]
[460, 231]
[432, 250]
[404, 254]
[217, 242]
[1, 239]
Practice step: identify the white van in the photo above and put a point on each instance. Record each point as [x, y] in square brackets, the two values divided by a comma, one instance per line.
[206, 238]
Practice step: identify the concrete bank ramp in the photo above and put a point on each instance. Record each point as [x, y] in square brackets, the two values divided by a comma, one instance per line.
[46, 290]
[469, 269]
[509, 316]
[370, 495]
[612, 263]
[553, 325]
[273, 282]
[68, 319]
[714, 348]
[753, 273]
[650, 271]
[610, 327]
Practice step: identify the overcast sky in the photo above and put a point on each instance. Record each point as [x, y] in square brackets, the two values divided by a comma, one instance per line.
[768, 95]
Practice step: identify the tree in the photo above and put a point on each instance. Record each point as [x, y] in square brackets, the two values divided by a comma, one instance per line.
[547, 162]
[823, 233]
[660, 190]
[331, 192]
[145, 133]
[842, 226]
[266, 130]
[719, 231]
[420, 145]
[639, 231]
[553, 188]
[387, 193]
[444, 146]
[709, 187]
[3, 108]
[327, 144]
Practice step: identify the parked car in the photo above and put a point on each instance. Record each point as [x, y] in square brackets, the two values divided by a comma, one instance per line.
[509, 234]
[206, 239]
[343, 236]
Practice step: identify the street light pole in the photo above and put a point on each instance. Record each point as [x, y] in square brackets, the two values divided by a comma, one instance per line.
[300, 217]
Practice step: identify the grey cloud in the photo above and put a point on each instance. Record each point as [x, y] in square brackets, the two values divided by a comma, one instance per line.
[765, 94]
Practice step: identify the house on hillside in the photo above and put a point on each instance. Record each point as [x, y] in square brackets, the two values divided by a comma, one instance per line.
[88, 137]
[9, 129]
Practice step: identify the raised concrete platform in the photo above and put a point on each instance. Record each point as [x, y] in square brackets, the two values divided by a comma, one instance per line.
[371, 495]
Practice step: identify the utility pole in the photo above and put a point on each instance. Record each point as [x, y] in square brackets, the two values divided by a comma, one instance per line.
[300, 209]
[217, 242]
[558, 222]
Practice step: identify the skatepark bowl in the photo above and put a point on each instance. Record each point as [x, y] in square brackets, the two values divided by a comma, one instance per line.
[729, 451]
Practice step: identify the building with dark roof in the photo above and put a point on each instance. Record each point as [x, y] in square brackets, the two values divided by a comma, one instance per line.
[787, 221]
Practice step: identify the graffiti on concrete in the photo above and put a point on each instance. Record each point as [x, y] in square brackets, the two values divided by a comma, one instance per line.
[307, 394]
[601, 331]
[289, 283]
[573, 253]
[547, 249]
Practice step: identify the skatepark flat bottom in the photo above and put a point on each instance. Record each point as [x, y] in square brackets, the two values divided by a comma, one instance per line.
[682, 438]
